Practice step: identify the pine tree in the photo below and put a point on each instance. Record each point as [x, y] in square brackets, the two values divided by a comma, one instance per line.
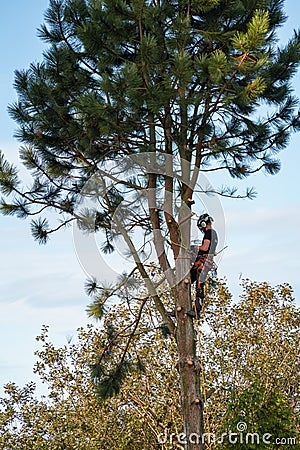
[163, 91]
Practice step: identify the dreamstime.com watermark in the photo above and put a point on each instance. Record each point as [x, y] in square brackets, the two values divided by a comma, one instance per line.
[238, 436]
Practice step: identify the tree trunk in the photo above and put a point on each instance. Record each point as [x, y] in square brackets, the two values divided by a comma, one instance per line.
[188, 362]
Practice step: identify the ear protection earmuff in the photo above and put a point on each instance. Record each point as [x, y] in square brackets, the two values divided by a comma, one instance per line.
[203, 220]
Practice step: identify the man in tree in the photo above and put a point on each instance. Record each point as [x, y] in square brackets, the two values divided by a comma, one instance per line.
[204, 261]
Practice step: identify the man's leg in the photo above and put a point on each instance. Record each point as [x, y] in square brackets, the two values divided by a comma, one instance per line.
[197, 275]
[201, 279]
[199, 297]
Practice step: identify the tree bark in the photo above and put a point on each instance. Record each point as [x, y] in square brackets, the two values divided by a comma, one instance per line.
[188, 361]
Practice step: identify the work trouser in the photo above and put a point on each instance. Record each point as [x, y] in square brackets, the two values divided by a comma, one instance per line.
[200, 268]
[199, 272]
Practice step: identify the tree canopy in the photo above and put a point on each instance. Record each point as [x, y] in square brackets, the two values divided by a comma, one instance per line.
[203, 80]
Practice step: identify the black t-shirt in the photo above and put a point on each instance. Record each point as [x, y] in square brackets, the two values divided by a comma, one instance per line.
[212, 236]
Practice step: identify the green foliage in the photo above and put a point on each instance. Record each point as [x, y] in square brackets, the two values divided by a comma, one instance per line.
[96, 308]
[255, 36]
[217, 66]
[8, 176]
[266, 412]
[39, 230]
[110, 385]
[204, 5]
[250, 375]
[253, 350]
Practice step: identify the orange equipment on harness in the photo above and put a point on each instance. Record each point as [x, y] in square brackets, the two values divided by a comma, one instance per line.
[204, 261]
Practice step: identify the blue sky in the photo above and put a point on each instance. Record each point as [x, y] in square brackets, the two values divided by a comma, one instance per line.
[45, 284]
